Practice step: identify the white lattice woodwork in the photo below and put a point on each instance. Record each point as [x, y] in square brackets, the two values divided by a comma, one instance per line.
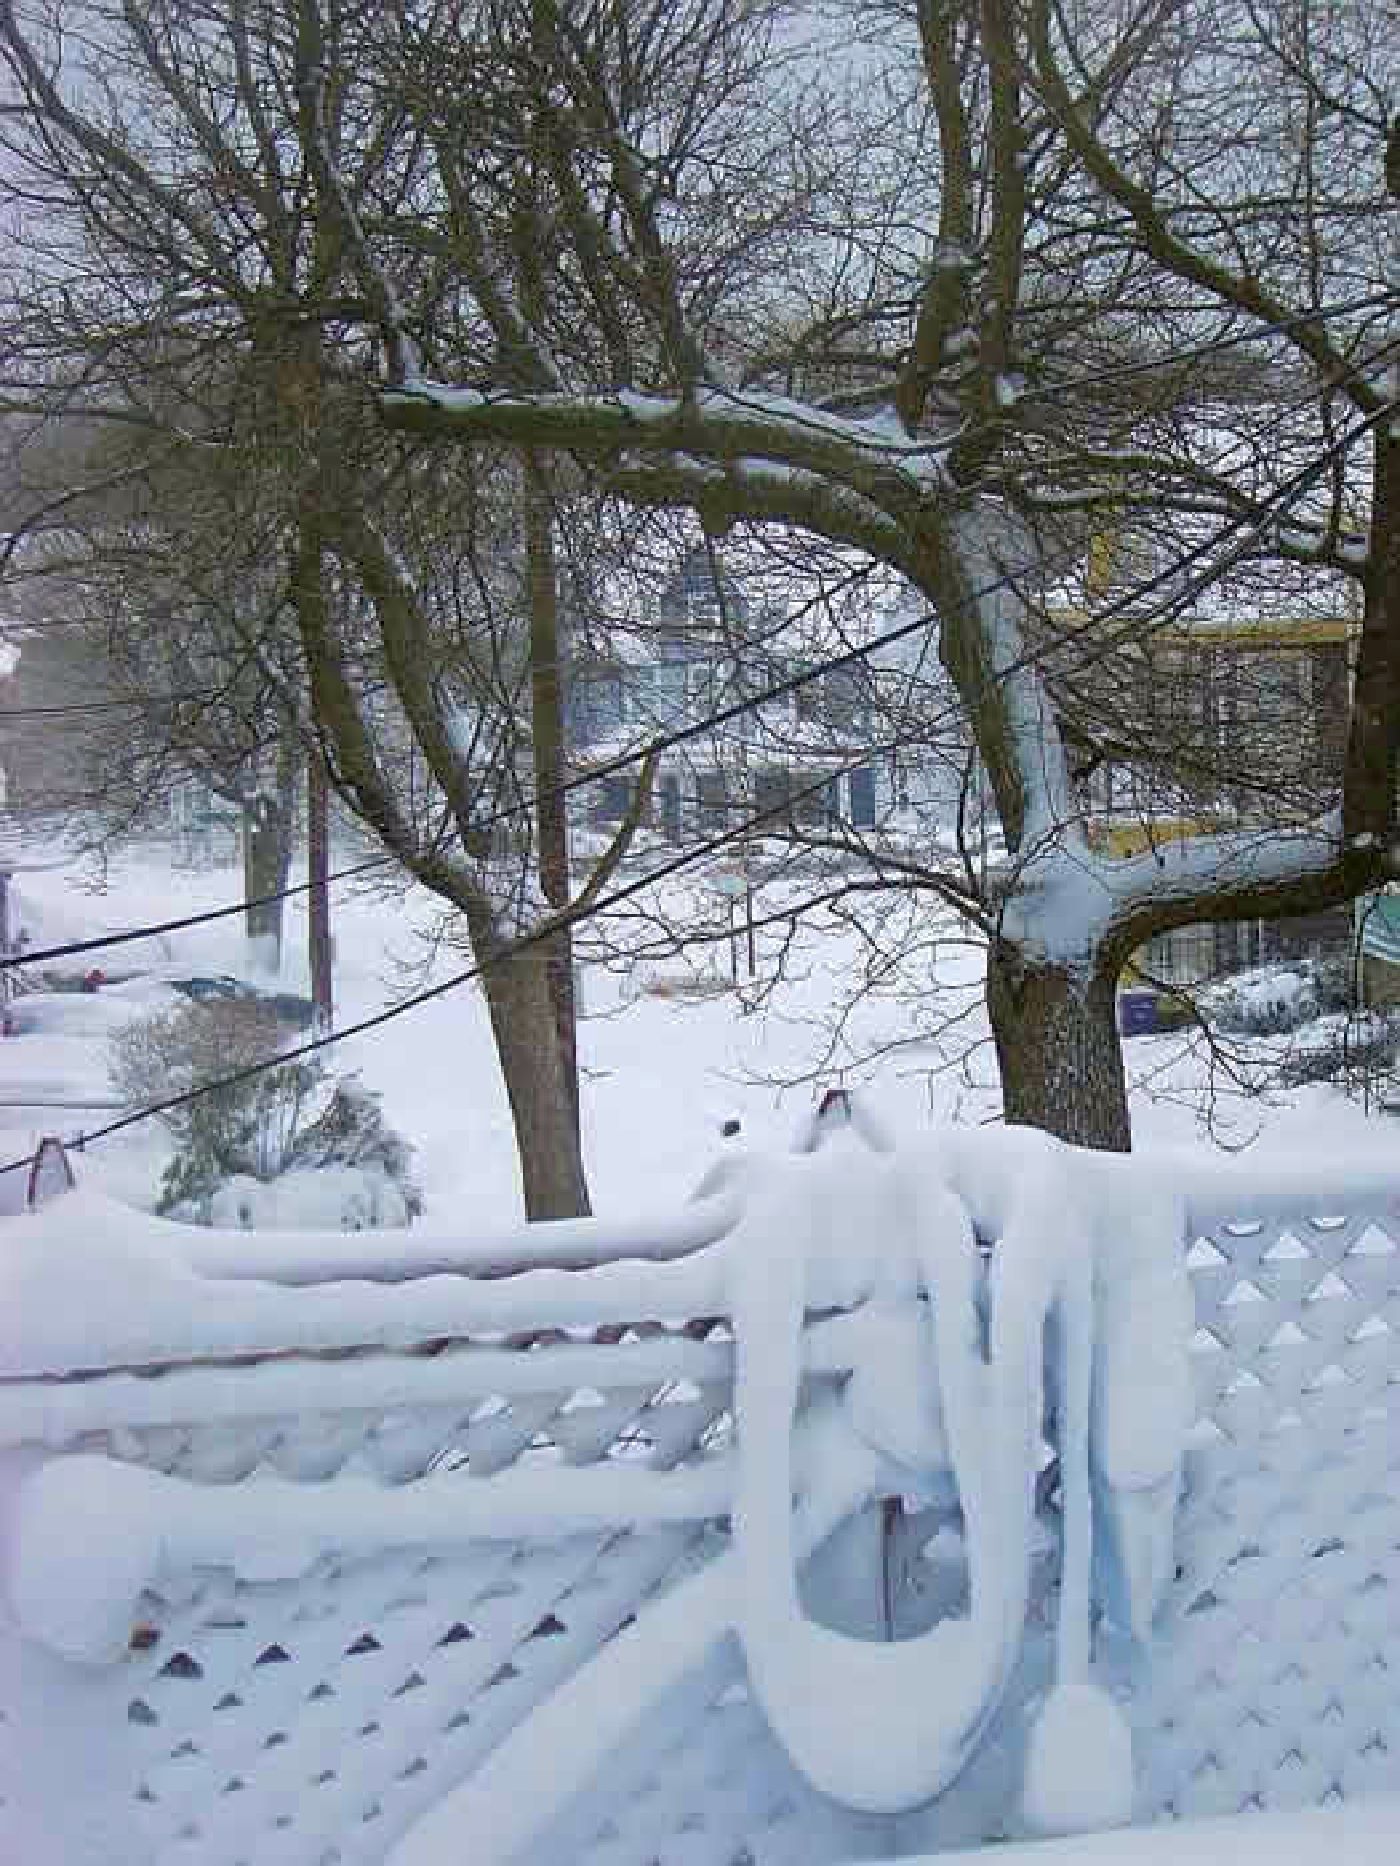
[1276, 1679]
[309, 1723]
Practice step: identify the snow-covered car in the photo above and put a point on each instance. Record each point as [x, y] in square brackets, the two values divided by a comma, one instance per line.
[206, 988]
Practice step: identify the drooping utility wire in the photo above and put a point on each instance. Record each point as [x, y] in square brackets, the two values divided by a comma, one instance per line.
[538, 936]
[1299, 483]
[136, 702]
[1253, 521]
[713, 722]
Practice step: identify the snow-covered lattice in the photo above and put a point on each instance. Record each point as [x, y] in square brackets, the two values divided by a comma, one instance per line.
[312, 1719]
[335, 1711]
[311, 1711]
[1274, 1678]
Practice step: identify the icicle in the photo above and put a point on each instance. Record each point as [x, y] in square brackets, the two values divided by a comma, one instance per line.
[1079, 1760]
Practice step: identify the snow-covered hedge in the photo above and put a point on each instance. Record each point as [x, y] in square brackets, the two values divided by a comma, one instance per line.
[277, 1146]
[1274, 1000]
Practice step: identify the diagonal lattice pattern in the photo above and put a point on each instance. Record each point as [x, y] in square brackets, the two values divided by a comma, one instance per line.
[309, 1723]
[479, 1430]
[312, 1723]
[1274, 1679]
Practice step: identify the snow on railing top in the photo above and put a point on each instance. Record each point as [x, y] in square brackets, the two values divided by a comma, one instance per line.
[88, 1285]
[844, 1228]
[579, 1381]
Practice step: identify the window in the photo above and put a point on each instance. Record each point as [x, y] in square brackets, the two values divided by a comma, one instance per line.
[772, 797]
[862, 789]
[760, 672]
[669, 805]
[813, 800]
[811, 701]
[612, 798]
[663, 690]
[1122, 560]
[1185, 956]
[600, 709]
[671, 690]
[847, 697]
[713, 797]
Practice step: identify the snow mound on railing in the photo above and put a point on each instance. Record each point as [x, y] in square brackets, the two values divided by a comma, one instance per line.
[997, 1281]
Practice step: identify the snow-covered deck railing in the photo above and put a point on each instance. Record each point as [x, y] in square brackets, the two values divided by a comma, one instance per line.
[344, 1550]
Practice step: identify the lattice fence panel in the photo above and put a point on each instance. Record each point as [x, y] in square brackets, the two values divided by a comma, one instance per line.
[1276, 1678]
[314, 1722]
[479, 1431]
[705, 1783]
[308, 1724]
[1275, 1681]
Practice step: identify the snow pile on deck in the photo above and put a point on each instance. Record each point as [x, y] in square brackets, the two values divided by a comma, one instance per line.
[1073, 1327]
[1085, 1314]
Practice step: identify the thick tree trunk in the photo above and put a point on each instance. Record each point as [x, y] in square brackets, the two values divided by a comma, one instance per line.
[318, 907]
[1059, 1051]
[539, 1082]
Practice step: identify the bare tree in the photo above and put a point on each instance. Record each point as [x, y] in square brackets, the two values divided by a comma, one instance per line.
[157, 595]
[190, 273]
[942, 283]
[913, 337]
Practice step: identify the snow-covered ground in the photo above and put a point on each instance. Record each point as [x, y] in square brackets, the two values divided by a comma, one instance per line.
[663, 1066]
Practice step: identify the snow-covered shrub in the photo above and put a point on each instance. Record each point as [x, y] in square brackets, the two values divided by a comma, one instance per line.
[245, 1126]
[282, 1121]
[1275, 1000]
[351, 1131]
[306, 1198]
[1339, 1048]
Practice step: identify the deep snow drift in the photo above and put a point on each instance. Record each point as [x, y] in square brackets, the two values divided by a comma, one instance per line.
[664, 1066]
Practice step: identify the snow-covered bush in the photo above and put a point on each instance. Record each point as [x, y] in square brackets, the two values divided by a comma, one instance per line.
[351, 1131]
[1274, 1000]
[304, 1198]
[1343, 1049]
[283, 1119]
[245, 1126]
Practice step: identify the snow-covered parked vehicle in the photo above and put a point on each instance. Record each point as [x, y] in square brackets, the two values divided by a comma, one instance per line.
[222, 987]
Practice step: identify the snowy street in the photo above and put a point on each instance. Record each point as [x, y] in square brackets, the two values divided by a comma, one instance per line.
[664, 1066]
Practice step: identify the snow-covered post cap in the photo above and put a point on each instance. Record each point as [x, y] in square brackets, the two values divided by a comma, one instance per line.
[842, 1108]
[50, 1173]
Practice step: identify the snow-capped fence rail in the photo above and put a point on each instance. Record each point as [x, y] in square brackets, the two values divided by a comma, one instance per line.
[345, 1550]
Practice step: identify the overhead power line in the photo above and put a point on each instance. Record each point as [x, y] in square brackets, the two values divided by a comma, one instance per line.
[652, 748]
[314, 1045]
[1172, 359]
[1299, 483]
[155, 928]
[106, 706]
[1126, 606]
[1254, 521]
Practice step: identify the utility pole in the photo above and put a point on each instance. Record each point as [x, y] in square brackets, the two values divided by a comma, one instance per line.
[318, 906]
[6, 952]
